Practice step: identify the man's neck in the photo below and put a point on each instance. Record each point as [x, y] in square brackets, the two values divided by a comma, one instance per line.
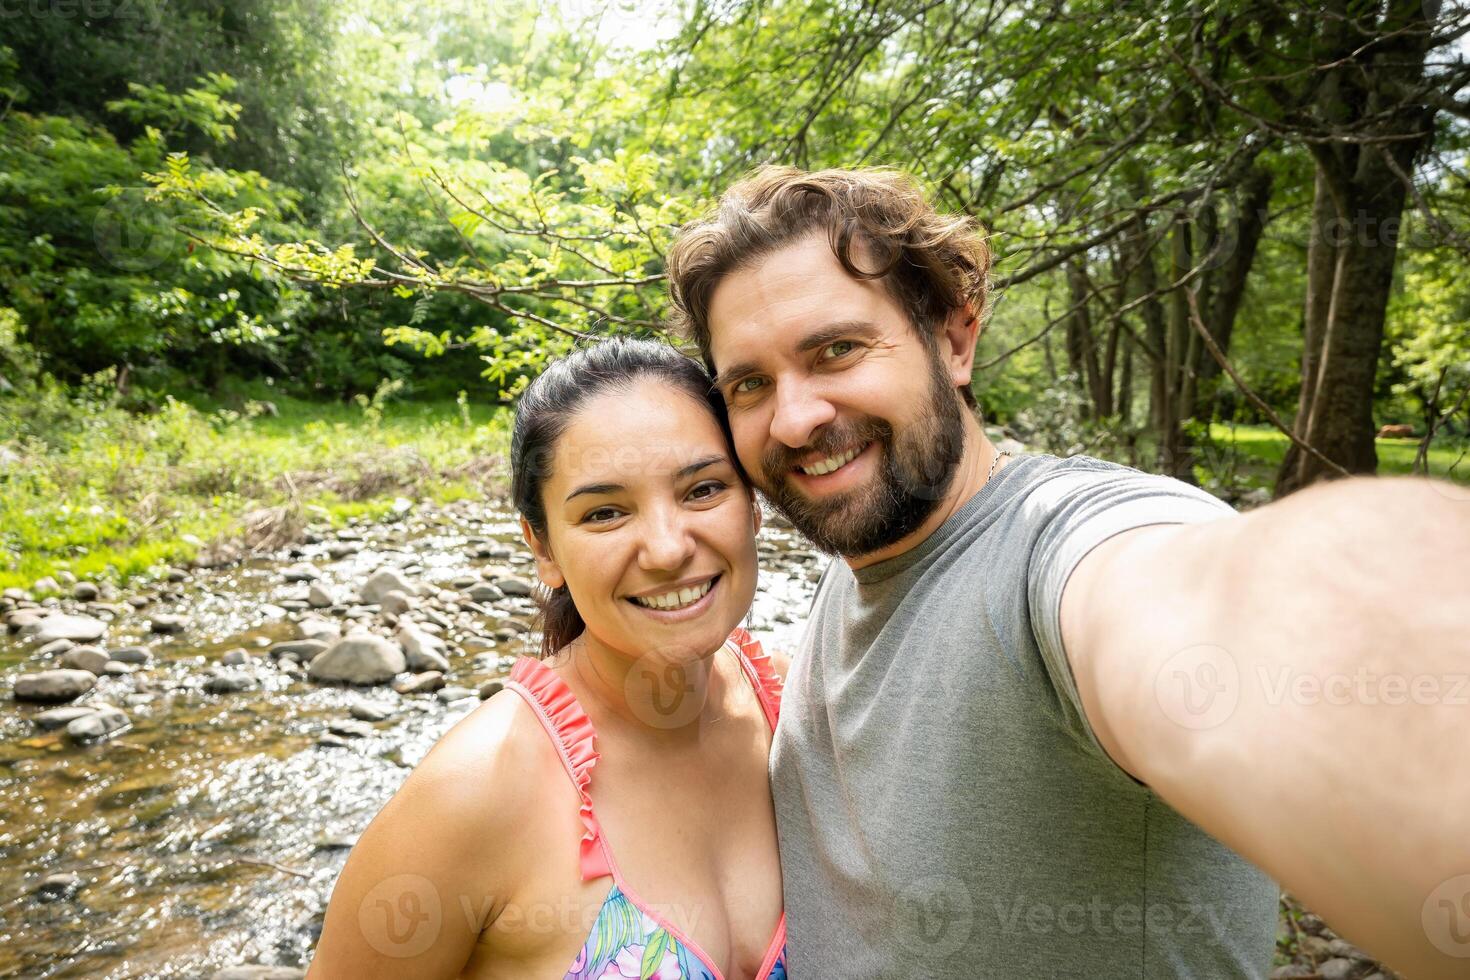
[971, 475]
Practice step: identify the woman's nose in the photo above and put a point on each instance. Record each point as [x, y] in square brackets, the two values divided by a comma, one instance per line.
[667, 543]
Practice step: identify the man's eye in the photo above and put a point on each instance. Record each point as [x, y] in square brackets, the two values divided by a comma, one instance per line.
[747, 385]
[838, 348]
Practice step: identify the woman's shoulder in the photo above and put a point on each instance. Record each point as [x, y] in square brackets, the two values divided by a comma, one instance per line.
[458, 836]
[493, 768]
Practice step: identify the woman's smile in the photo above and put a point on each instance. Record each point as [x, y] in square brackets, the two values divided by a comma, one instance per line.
[675, 605]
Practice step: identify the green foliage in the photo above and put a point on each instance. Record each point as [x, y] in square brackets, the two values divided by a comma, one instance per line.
[111, 493]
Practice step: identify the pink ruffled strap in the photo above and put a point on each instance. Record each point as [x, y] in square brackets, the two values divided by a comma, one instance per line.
[571, 732]
[758, 668]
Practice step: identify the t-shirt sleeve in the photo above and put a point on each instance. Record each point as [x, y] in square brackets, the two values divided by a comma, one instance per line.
[1078, 509]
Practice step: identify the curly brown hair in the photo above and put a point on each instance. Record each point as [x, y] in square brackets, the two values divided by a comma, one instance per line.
[931, 264]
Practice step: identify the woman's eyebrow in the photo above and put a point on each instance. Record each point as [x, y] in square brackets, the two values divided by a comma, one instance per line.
[689, 470]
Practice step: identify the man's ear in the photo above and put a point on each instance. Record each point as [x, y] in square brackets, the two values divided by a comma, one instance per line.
[957, 338]
[546, 567]
[755, 505]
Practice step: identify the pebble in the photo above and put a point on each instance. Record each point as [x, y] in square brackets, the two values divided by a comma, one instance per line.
[78, 629]
[237, 657]
[511, 585]
[229, 683]
[166, 623]
[490, 689]
[54, 686]
[382, 582]
[485, 592]
[318, 597]
[367, 711]
[131, 655]
[58, 885]
[86, 658]
[359, 658]
[99, 724]
[85, 592]
[53, 718]
[54, 648]
[303, 572]
[449, 695]
[301, 650]
[423, 683]
[395, 602]
[316, 628]
[1336, 968]
[116, 668]
[350, 728]
[332, 741]
[423, 650]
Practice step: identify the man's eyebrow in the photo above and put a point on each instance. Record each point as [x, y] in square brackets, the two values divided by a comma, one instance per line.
[820, 337]
[597, 489]
[823, 336]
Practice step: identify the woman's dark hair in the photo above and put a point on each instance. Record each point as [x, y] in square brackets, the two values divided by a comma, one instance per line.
[549, 405]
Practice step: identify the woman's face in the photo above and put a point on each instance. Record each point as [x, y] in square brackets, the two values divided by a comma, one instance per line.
[648, 525]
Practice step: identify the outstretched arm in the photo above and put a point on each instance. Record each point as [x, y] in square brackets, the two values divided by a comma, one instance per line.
[1296, 681]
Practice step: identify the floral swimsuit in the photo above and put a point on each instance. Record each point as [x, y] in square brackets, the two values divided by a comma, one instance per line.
[629, 940]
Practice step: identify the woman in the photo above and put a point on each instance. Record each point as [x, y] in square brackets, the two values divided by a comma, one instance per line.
[607, 815]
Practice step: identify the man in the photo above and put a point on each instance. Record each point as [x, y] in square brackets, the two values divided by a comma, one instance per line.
[1058, 718]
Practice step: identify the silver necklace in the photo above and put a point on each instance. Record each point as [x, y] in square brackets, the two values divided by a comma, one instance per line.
[994, 462]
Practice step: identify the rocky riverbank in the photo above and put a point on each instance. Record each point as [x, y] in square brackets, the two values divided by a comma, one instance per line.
[184, 765]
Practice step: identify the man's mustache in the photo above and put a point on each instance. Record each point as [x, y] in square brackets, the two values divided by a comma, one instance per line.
[781, 460]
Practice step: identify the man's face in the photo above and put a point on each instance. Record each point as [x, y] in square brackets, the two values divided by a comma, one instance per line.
[841, 414]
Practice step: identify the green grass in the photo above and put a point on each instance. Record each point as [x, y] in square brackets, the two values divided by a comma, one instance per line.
[1261, 448]
[106, 494]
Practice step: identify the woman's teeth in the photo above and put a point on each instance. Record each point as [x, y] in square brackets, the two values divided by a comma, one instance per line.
[831, 463]
[677, 599]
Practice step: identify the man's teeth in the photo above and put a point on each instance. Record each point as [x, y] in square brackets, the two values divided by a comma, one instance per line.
[677, 599]
[831, 463]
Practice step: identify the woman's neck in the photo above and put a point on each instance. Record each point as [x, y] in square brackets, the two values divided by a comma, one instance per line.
[650, 696]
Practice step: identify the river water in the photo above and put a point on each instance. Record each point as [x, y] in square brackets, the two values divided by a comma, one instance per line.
[209, 833]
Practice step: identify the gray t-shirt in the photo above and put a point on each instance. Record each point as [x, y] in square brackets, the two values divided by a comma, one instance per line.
[943, 806]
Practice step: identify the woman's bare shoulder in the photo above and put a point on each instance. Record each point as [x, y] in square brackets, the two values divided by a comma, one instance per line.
[454, 837]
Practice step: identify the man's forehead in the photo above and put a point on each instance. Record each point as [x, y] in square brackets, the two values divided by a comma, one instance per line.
[770, 307]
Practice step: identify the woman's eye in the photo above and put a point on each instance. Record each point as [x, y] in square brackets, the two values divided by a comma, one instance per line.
[706, 490]
[600, 516]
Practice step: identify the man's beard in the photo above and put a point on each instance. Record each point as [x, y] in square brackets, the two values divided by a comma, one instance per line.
[916, 470]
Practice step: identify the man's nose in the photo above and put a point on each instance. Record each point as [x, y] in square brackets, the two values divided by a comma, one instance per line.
[666, 540]
[800, 411]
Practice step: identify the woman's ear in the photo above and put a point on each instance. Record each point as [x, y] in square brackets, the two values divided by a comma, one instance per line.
[547, 570]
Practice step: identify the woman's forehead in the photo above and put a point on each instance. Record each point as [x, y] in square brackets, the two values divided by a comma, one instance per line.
[646, 430]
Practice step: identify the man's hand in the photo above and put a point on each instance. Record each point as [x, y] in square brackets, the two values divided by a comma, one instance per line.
[1297, 682]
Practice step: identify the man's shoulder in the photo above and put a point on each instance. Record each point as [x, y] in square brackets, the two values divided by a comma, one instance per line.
[1049, 483]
